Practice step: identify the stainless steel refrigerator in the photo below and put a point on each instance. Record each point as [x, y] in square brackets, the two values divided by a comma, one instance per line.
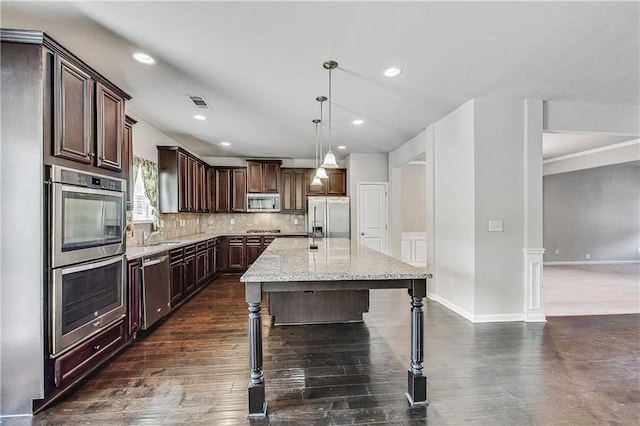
[328, 217]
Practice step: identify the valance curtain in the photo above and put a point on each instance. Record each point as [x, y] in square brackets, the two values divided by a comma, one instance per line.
[150, 181]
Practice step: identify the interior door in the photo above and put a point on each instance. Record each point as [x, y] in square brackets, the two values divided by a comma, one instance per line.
[372, 215]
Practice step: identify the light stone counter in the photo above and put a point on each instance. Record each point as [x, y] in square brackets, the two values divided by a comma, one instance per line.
[157, 245]
[336, 259]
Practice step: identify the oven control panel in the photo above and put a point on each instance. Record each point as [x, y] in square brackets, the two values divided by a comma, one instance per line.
[78, 178]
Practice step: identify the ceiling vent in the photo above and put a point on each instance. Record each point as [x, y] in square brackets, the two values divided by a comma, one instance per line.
[199, 101]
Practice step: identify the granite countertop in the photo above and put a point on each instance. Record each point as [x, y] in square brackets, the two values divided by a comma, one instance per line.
[157, 246]
[336, 259]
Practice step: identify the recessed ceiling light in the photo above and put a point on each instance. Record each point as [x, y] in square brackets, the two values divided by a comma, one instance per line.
[342, 147]
[199, 117]
[225, 143]
[143, 58]
[358, 122]
[392, 72]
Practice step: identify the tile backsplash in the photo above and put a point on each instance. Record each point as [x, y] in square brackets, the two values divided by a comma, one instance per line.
[183, 224]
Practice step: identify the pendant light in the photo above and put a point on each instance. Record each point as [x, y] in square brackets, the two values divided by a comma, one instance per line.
[321, 173]
[330, 159]
[316, 180]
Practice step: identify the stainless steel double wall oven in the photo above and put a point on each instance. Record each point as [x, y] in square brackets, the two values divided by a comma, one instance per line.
[87, 246]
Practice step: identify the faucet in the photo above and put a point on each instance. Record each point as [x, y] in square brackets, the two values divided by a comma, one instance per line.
[146, 236]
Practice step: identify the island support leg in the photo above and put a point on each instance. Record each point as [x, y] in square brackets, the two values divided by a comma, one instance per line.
[257, 403]
[417, 381]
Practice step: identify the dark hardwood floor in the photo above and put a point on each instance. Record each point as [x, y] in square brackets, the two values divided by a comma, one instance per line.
[193, 369]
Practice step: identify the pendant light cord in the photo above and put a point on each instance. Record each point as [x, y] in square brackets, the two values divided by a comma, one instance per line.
[329, 109]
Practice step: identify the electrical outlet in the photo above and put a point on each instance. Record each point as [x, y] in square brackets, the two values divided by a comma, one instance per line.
[295, 222]
[587, 256]
[557, 251]
[638, 250]
[495, 226]
[450, 282]
[233, 221]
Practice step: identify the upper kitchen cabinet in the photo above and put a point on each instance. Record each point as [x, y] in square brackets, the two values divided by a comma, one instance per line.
[230, 189]
[182, 182]
[88, 114]
[292, 194]
[335, 185]
[127, 158]
[263, 176]
[80, 112]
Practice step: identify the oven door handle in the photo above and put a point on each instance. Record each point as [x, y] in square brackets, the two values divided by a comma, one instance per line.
[146, 262]
[92, 265]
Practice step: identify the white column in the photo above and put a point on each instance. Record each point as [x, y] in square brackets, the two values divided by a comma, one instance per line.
[533, 251]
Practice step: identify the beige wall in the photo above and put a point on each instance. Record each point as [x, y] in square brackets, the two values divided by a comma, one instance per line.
[413, 200]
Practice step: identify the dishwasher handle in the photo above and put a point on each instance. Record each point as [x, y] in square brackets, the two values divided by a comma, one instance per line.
[149, 262]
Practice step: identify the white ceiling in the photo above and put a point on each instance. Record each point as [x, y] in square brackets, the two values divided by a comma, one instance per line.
[259, 64]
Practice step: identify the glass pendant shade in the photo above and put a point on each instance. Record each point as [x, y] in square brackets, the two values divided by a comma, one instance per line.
[330, 161]
[321, 173]
[316, 181]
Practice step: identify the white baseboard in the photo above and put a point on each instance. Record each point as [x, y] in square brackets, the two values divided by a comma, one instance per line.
[498, 318]
[536, 318]
[480, 318]
[590, 262]
[455, 308]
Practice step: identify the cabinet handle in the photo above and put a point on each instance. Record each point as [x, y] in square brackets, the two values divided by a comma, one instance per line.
[91, 154]
[158, 310]
[96, 347]
[96, 324]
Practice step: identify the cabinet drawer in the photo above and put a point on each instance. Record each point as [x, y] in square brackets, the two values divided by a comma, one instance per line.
[267, 241]
[236, 240]
[72, 365]
[254, 241]
[176, 255]
[201, 246]
[211, 242]
[189, 250]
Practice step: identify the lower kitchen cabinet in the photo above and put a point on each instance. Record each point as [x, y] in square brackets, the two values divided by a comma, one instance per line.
[89, 354]
[189, 269]
[176, 279]
[201, 264]
[253, 249]
[236, 253]
[134, 291]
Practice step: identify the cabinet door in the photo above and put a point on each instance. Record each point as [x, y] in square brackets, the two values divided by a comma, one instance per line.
[255, 182]
[109, 126]
[211, 262]
[127, 159]
[293, 191]
[183, 182]
[202, 184]
[236, 253]
[189, 274]
[337, 182]
[192, 179]
[201, 267]
[72, 97]
[177, 282]
[134, 288]
[315, 190]
[239, 190]
[271, 177]
[222, 193]
[254, 248]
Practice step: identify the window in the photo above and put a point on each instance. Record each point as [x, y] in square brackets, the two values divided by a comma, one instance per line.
[142, 208]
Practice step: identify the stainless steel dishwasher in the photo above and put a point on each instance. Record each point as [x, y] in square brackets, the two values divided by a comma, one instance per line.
[156, 300]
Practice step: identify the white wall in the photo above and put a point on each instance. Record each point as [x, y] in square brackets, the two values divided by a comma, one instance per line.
[615, 154]
[363, 168]
[499, 195]
[455, 210]
[146, 138]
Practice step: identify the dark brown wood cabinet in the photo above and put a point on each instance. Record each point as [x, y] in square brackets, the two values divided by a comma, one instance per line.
[263, 176]
[127, 159]
[236, 254]
[202, 264]
[253, 249]
[231, 189]
[335, 185]
[134, 299]
[109, 128]
[176, 278]
[77, 98]
[189, 269]
[293, 191]
[182, 182]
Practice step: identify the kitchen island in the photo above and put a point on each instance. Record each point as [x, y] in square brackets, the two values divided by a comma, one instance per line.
[289, 265]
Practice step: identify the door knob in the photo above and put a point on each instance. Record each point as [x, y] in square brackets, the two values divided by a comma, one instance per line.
[362, 233]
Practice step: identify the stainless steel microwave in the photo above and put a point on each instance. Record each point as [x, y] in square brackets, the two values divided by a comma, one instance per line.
[263, 202]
